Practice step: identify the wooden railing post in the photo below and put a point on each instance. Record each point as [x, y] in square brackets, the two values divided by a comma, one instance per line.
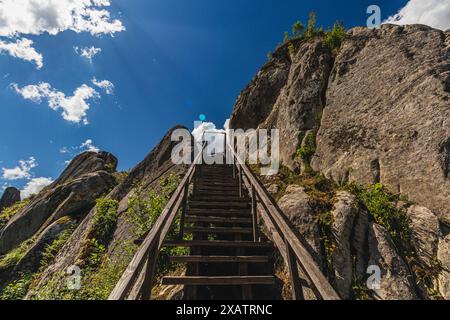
[297, 292]
[255, 215]
[241, 192]
[183, 212]
[147, 285]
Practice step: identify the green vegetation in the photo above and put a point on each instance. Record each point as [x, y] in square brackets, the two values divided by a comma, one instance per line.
[10, 212]
[52, 249]
[333, 38]
[307, 149]
[15, 255]
[382, 206]
[311, 31]
[144, 208]
[17, 289]
[102, 229]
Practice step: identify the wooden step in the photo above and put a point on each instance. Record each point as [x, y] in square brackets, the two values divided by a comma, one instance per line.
[217, 198]
[219, 230]
[219, 281]
[209, 212]
[194, 219]
[213, 183]
[218, 205]
[217, 192]
[217, 243]
[219, 259]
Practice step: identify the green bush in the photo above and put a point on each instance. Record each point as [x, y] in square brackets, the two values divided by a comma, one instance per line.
[381, 205]
[307, 149]
[297, 29]
[311, 29]
[105, 219]
[17, 289]
[334, 37]
[144, 207]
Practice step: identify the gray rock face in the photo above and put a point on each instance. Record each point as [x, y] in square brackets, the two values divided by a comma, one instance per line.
[296, 206]
[9, 197]
[444, 258]
[70, 195]
[344, 213]
[387, 117]
[32, 259]
[395, 282]
[255, 103]
[291, 101]
[425, 233]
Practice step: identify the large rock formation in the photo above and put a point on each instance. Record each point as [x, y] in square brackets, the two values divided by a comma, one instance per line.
[385, 102]
[87, 177]
[9, 197]
[289, 94]
[387, 117]
[146, 175]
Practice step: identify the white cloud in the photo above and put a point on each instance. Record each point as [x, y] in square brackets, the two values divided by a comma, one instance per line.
[88, 52]
[434, 13]
[22, 49]
[209, 132]
[88, 145]
[73, 108]
[22, 171]
[35, 186]
[19, 17]
[106, 85]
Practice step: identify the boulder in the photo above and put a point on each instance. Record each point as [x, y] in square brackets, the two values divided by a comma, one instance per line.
[444, 259]
[344, 213]
[395, 277]
[425, 234]
[9, 197]
[74, 193]
[296, 205]
[387, 116]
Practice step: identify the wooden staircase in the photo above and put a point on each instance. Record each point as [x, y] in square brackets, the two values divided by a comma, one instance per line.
[221, 207]
[227, 261]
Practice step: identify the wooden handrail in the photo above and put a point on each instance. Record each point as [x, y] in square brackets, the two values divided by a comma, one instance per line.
[295, 252]
[136, 281]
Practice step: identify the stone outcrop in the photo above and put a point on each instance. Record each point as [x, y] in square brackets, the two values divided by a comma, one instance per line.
[387, 117]
[86, 178]
[444, 259]
[156, 166]
[296, 101]
[344, 214]
[31, 262]
[296, 205]
[395, 281]
[425, 234]
[381, 105]
[10, 196]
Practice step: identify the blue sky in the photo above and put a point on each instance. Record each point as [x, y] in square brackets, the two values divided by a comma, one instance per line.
[174, 60]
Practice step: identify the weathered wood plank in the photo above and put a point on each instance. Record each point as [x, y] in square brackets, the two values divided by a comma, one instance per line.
[219, 281]
[220, 259]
